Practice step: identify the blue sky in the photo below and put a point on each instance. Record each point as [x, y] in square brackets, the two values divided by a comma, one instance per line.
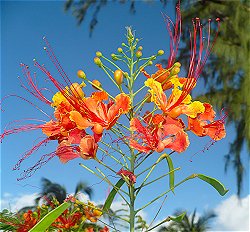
[24, 23]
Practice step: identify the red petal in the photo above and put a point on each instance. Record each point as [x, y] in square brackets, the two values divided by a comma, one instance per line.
[65, 152]
[88, 147]
[178, 143]
[139, 147]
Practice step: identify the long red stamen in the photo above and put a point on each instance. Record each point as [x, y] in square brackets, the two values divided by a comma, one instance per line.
[58, 66]
[55, 61]
[33, 87]
[42, 161]
[174, 30]
[31, 103]
[27, 127]
[197, 59]
[28, 153]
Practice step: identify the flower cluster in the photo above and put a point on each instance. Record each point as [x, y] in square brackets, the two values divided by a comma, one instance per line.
[135, 129]
[78, 217]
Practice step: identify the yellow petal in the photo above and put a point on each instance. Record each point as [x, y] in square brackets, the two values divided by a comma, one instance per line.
[193, 109]
[57, 99]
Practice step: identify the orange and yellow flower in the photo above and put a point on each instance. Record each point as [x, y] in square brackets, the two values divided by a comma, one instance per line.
[159, 133]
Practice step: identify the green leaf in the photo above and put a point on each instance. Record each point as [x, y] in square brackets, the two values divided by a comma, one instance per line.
[111, 195]
[215, 183]
[178, 218]
[171, 172]
[50, 218]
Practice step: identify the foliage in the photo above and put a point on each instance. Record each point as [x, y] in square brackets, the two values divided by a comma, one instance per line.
[190, 223]
[81, 8]
[228, 86]
[72, 215]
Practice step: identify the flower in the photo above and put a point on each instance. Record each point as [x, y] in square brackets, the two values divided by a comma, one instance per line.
[29, 221]
[94, 111]
[164, 76]
[91, 212]
[125, 174]
[104, 229]
[200, 126]
[186, 106]
[68, 220]
[159, 133]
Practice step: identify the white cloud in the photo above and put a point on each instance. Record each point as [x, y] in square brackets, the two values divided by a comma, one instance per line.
[233, 214]
[15, 203]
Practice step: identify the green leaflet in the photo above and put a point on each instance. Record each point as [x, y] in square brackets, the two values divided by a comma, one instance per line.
[111, 195]
[215, 183]
[178, 218]
[171, 169]
[171, 172]
[50, 218]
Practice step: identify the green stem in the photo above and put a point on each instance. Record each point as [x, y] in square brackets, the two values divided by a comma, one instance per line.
[111, 156]
[164, 193]
[158, 178]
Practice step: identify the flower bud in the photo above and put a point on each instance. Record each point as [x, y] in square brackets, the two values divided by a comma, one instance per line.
[177, 64]
[120, 50]
[114, 57]
[118, 76]
[150, 62]
[160, 52]
[76, 90]
[98, 129]
[160, 147]
[138, 54]
[98, 54]
[96, 84]
[125, 75]
[81, 74]
[140, 48]
[175, 71]
[97, 61]
[123, 44]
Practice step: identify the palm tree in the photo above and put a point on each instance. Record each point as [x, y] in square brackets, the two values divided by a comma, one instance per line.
[50, 189]
[190, 223]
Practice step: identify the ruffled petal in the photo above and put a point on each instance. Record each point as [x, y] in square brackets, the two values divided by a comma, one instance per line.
[80, 121]
[65, 152]
[138, 147]
[122, 106]
[193, 109]
[157, 94]
[178, 143]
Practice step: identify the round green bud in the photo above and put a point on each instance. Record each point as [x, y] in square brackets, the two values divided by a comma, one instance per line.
[123, 44]
[98, 54]
[136, 40]
[140, 48]
[150, 62]
[120, 50]
[138, 54]
[177, 64]
[160, 52]
[125, 75]
[114, 57]
[97, 61]
[175, 71]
